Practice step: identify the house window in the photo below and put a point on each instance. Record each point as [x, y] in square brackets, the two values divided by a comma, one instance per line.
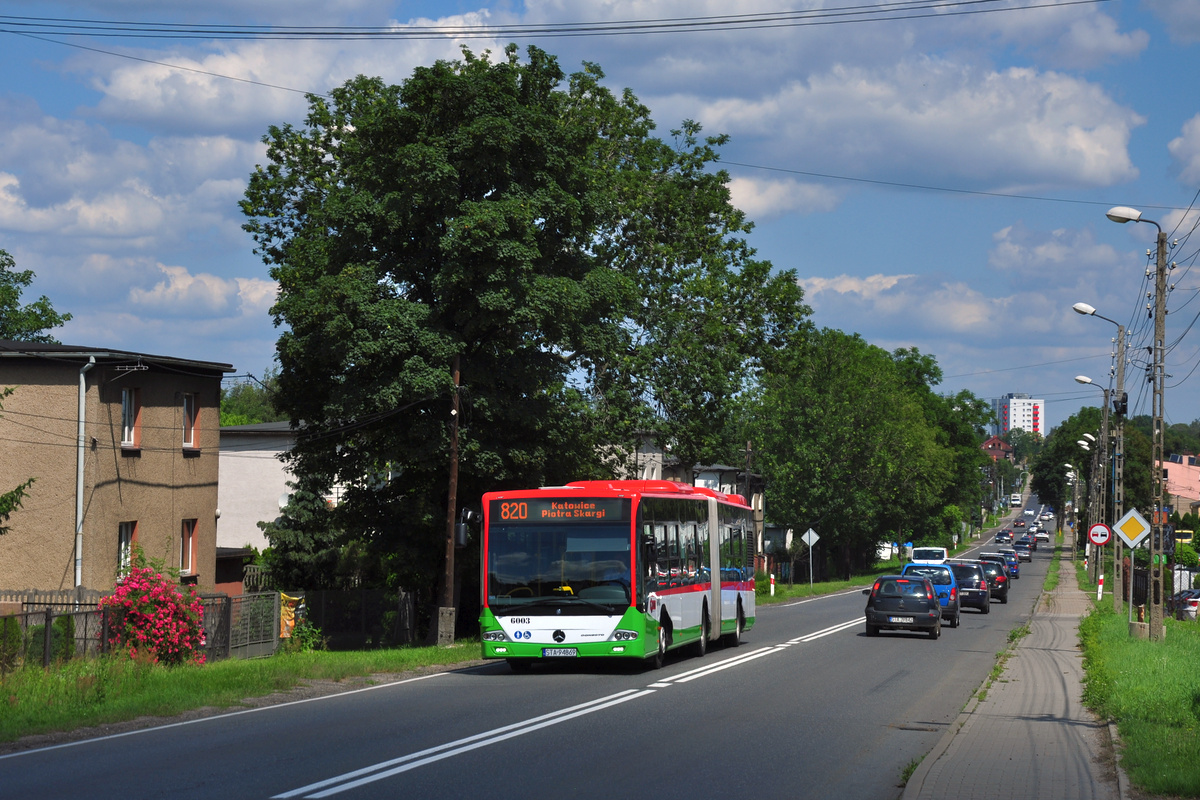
[126, 539]
[187, 546]
[189, 420]
[131, 417]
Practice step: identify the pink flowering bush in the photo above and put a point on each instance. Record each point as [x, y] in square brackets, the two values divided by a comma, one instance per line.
[154, 621]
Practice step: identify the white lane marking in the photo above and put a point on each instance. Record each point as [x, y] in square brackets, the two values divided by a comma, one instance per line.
[808, 637]
[766, 651]
[835, 629]
[219, 716]
[395, 766]
[731, 661]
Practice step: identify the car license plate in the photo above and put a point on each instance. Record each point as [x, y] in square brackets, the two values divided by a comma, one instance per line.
[559, 652]
[907, 620]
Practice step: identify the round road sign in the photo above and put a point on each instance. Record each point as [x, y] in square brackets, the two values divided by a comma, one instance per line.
[1099, 534]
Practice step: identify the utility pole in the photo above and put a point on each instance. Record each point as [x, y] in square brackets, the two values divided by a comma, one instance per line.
[1101, 474]
[1120, 401]
[1157, 567]
[446, 613]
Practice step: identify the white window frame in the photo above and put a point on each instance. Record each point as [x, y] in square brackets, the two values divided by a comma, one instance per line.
[190, 412]
[187, 541]
[130, 411]
[126, 537]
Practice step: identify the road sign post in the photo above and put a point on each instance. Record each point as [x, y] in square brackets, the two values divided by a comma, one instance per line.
[810, 538]
[1132, 529]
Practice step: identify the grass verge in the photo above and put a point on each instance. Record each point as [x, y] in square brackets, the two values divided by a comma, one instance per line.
[99, 691]
[1152, 691]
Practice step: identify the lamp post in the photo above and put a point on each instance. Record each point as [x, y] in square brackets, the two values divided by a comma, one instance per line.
[1101, 472]
[1125, 214]
[1120, 401]
[1073, 524]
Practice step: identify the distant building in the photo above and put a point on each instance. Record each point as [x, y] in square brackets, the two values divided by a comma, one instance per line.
[997, 449]
[1183, 482]
[1016, 410]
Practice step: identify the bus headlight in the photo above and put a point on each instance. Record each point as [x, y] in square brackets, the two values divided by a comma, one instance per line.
[494, 636]
[625, 636]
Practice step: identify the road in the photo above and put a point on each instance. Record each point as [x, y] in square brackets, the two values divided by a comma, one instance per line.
[807, 706]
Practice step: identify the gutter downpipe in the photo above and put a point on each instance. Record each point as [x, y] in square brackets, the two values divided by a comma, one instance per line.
[79, 454]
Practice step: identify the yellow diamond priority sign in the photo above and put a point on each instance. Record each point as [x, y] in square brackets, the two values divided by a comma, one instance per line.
[1132, 528]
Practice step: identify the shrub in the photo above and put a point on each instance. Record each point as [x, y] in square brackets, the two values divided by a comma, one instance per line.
[153, 620]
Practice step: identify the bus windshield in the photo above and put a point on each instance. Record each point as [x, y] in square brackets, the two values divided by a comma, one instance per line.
[558, 568]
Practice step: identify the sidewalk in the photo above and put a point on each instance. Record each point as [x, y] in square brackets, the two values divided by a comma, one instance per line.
[1031, 737]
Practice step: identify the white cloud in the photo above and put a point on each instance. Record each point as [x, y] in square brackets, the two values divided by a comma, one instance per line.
[1182, 18]
[1007, 130]
[203, 294]
[1054, 258]
[768, 199]
[1185, 149]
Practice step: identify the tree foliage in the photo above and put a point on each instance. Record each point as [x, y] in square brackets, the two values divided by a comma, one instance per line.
[588, 279]
[251, 401]
[28, 323]
[856, 445]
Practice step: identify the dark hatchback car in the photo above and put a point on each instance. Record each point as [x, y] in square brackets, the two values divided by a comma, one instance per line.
[1028, 540]
[997, 575]
[903, 603]
[1024, 551]
[974, 590]
[1004, 537]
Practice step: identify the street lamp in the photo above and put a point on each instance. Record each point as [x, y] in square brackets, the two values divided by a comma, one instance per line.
[1120, 407]
[1125, 214]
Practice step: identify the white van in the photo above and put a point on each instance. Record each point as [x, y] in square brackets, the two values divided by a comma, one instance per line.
[929, 555]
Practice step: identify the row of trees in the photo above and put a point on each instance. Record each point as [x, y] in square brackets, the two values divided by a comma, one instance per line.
[589, 282]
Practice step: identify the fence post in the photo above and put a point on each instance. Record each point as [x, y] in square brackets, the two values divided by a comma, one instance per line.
[228, 625]
[46, 641]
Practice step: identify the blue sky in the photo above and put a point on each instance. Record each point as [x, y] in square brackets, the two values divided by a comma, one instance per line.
[937, 182]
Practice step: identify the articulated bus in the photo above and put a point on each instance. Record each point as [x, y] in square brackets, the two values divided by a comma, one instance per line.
[625, 569]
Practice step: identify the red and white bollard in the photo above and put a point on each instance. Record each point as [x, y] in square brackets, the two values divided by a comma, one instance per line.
[772, 584]
[1100, 588]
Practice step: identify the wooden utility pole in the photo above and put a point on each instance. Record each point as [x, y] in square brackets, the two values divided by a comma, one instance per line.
[446, 613]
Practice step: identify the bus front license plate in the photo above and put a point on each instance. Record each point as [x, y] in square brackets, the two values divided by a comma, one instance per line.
[559, 652]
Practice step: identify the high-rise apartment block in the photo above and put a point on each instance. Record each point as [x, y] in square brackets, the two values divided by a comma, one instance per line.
[1017, 410]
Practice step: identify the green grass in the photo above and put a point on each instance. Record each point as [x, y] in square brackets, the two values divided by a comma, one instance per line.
[1152, 691]
[90, 692]
[783, 592]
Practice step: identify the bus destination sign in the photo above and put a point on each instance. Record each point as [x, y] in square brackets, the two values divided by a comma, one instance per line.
[557, 509]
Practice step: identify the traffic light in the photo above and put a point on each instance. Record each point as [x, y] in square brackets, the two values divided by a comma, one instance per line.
[1121, 404]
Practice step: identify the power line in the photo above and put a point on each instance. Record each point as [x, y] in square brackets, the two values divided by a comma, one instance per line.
[840, 15]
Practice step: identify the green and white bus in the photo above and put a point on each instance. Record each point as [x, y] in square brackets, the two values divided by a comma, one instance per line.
[614, 569]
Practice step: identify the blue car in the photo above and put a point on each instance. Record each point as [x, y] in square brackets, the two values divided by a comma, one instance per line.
[1013, 560]
[942, 578]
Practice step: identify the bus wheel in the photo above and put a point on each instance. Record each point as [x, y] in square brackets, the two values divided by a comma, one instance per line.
[520, 665]
[702, 645]
[734, 637]
[661, 652]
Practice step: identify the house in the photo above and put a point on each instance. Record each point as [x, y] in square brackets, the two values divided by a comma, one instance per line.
[122, 447]
[1182, 482]
[996, 448]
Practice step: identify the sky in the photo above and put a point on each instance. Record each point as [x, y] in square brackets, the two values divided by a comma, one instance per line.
[937, 179]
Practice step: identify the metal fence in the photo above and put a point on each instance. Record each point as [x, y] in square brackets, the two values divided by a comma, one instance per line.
[52, 628]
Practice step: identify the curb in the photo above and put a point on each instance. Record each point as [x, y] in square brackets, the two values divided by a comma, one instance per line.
[916, 781]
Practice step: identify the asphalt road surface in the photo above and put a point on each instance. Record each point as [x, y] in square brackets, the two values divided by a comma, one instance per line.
[807, 706]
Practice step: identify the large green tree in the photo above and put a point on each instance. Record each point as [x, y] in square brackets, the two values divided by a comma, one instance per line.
[527, 227]
[847, 449]
[24, 323]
